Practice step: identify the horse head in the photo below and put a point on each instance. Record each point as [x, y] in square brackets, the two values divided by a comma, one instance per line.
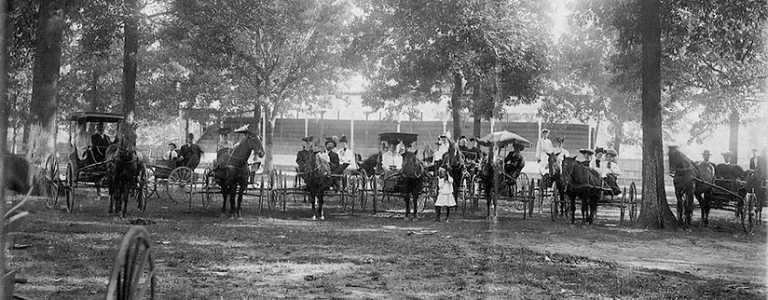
[412, 166]
[569, 166]
[238, 156]
[552, 164]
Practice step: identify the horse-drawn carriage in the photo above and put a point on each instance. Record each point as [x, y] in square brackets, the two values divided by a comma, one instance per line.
[411, 181]
[515, 188]
[177, 179]
[79, 174]
[715, 189]
[573, 180]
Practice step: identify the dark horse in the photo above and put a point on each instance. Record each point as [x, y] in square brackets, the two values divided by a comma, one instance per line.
[231, 171]
[410, 182]
[584, 182]
[690, 180]
[316, 174]
[553, 179]
[124, 170]
[17, 175]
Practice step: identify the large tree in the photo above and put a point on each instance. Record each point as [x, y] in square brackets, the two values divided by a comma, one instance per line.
[44, 102]
[277, 53]
[497, 48]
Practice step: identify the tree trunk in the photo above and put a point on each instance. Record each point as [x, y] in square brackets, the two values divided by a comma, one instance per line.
[257, 118]
[458, 91]
[130, 52]
[269, 114]
[4, 115]
[618, 133]
[45, 78]
[25, 135]
[733, 141]
[654, 212]
[476, 94]
[94, 95]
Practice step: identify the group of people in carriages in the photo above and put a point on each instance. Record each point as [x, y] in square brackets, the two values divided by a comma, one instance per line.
[601, 161]
[189, 155]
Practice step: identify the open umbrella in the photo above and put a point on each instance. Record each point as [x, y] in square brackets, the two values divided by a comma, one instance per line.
[503, 138]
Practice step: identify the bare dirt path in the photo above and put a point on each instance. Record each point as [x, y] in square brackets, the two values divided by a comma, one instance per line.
[284, 255]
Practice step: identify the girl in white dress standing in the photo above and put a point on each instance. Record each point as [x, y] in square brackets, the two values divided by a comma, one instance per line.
[444, 194]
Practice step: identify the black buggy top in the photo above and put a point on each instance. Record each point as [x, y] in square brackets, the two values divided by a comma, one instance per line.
[96, 117]
[397, 137]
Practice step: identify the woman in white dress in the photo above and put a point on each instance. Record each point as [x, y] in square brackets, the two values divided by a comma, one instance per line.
[444, 195]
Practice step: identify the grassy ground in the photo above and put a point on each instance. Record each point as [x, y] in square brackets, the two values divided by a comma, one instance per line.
[284, 255]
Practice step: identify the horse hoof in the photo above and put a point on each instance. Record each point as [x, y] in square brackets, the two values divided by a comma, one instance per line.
[314, 218]
[322, 218]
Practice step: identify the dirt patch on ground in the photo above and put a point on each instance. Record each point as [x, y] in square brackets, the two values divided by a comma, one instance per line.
[285, 255]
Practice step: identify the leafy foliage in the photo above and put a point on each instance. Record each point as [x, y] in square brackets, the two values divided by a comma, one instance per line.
[411, 50]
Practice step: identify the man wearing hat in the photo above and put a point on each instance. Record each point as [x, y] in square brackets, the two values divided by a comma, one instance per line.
[543, 149]
[587, 157]
[752, 160]
[191, 152]
[514, 162]
[100, 142]
[463, 145]
[706, 155]
[307, 150]
[610, 170]
[346, 155]
[224, 141]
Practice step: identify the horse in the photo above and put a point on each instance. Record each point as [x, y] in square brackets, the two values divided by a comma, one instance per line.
[584, 182]
[230, 171]
[729, 172]
[411, 182]
[552, 178]
[123, 171]
[316, 174]
[687, 178]
[17, 175]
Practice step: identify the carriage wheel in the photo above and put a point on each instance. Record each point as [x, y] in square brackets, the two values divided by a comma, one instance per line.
[271, 182]
[748, 212]
[623, 206]
[150, 188]
[208, 189]
[70, 191]
[363, 183]
[52, 175]
[133, 273]
[142, 192]
[531, 192]
[632, 202]
[180, 184]
[375, 188]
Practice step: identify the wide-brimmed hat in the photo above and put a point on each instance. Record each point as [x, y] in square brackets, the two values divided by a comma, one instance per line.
[706, 153]
[544, 130]
[727, 153]
[599, 150]
[330, 140]
[611, 152]
[308, 139]
[587, 151]
[343, 139]
[242, 129]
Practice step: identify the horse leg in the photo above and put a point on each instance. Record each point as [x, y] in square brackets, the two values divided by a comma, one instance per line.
[573, 207]
[688, 208]
[312, 196]
[240, 192]
[320, 200]
[563, 208]
[584, 208]
[593, 208]
[407, 200]
[705, 207]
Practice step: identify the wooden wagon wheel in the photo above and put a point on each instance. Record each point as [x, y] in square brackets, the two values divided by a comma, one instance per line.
[141, 192]
[52, 176]
[70, 187]
[180, 184]
[632, 198]
[150, 188]
[133, 273]
[748, 212]
[208, 189]
[363, 182]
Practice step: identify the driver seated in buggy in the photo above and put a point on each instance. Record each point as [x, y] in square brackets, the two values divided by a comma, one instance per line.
[514, 163]
[83, 145]
[610, 171]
